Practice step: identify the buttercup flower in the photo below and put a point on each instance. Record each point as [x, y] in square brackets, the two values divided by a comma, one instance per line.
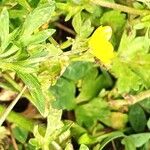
[100, 46]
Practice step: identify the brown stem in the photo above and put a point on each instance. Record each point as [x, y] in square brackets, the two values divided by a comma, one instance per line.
[129, 100]
[61, 26]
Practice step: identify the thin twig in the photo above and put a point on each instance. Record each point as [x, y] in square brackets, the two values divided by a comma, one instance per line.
[119, 7]
[113, 145]
[10, 107]
[61, 26]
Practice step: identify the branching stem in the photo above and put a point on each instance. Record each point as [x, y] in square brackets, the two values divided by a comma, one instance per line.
[129, 100]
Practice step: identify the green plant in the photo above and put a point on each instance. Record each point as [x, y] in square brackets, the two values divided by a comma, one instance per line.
[82, 101]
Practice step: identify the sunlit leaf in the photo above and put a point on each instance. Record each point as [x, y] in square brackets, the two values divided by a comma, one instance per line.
[37, 17]
[4, 28]
[35, 90]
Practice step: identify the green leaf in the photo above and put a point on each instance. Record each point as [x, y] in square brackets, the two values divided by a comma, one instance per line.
[12, 50]
[137, 118]
[117, 21]
[20, 134]
[135, 45]
[87, 139]
[76, 130]
[15, 13]
[83, 147]
[113, 18]
[64, 92]
[102, 138]
[148, 123]
[83, 29]
[132, 65]
[37, 17]
[118, 120]
[137, 139]
[87, 116]
[53, 50]
[54, 122]
[69, 146]
[4, 28]
[37, 38]
[140, 65]
[92, 84]
[95, 10]
[110, 138]
[34, 3]
[35, 89]
[35, 58]
[146, 146]
[127, 79]
[38, 141]
[77, 22]
[25, 4]
[68, 7]
[135, 54]
[29, 147]
[5, 66]
[77, 70]
[129, 143]
[86, 29]
[83, 72]
[145, 104]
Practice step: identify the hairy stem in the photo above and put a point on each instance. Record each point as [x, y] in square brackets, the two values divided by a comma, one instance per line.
[21, 121]
[129, 100]
[119, 7]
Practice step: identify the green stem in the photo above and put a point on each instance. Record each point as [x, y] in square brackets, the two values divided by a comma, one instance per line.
[53, 41]
[130, 100]
[22, 121]
[141, 96]
[10, 107]
[9, 79]
[120, 7]
[66, 44]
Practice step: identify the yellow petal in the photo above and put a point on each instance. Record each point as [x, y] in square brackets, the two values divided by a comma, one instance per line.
[103, 51]
[101, 32]
[100, 46]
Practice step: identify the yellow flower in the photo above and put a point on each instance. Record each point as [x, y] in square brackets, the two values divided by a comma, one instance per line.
[100, 46]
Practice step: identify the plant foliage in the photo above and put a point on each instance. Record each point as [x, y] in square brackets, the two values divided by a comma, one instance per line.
[86, 68]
